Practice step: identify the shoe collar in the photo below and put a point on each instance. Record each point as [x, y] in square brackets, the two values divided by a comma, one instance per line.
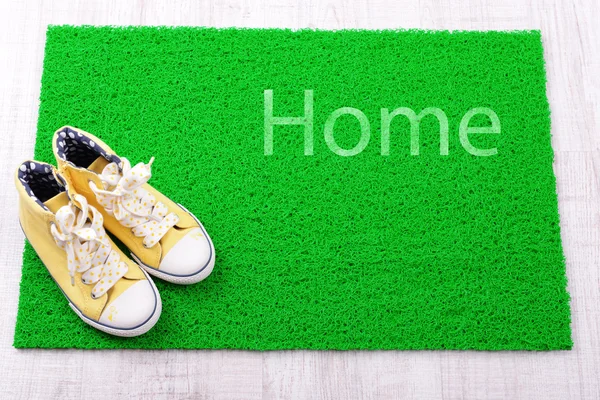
[40, 181]
[79, 148]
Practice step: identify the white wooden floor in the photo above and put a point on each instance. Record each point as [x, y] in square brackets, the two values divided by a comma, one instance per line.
[572, 49]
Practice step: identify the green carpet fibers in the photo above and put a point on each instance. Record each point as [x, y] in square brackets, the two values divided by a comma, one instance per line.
[323, 251]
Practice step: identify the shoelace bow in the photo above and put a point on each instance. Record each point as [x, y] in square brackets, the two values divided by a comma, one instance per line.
[87, 247]
[133, 206]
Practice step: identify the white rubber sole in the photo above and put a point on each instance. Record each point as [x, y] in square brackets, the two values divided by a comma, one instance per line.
[179, 280]
[183, 279]
[137, 331]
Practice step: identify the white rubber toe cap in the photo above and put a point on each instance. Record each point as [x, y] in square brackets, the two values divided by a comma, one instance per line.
[189, 256]
[132, 308]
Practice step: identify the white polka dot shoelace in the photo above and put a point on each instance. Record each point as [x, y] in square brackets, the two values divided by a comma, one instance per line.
[133, 206]
[87, 246]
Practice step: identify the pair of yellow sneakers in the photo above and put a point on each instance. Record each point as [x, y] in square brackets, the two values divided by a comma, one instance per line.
[64, 212]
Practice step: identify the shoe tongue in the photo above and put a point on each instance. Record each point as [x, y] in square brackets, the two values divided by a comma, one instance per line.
[98, 165]
[55, 203]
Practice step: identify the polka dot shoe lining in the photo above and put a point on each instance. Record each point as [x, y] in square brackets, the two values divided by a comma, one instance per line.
[80, 150]
[39, 181]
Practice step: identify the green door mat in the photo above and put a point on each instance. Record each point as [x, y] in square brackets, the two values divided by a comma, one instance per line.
[333, 233]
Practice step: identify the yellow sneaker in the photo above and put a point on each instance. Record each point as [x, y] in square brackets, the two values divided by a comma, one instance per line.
[164, 238]
[105, 288]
